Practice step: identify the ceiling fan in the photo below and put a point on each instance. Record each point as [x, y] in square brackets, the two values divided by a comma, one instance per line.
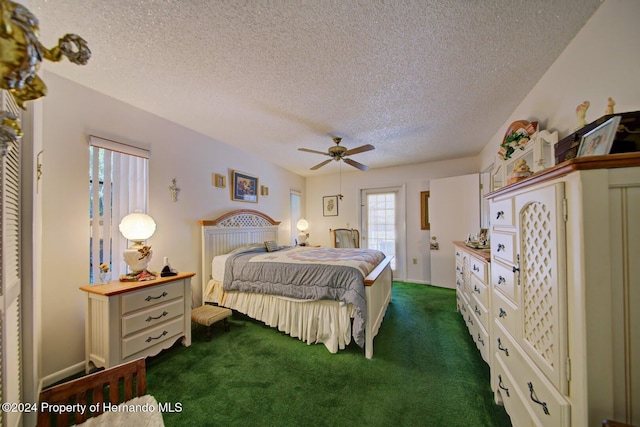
[339, 152]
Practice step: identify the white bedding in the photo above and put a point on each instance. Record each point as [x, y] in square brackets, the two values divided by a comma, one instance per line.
[140, 411]
[321, 321]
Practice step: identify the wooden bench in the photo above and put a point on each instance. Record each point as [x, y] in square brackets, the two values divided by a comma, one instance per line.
[207, 315]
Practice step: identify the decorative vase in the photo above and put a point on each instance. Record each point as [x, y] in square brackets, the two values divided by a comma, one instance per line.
[105, 277]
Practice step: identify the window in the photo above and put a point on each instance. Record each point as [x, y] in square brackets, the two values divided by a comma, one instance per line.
[381, 223]
[118, 185]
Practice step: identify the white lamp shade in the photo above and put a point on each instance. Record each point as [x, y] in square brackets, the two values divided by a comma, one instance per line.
[302, 224]
[137, 227]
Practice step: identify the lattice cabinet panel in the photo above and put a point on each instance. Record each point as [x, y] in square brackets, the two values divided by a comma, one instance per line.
[542, 280]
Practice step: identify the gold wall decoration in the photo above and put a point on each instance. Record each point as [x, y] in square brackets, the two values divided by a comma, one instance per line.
[22, 52]
[20, 56]
[10, 131]
[219, 180]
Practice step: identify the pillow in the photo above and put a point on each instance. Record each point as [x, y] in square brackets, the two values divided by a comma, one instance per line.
[248, 248]
[271, 246]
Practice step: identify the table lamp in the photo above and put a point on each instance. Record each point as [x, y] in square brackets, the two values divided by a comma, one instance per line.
[302, 226]
[137, 227]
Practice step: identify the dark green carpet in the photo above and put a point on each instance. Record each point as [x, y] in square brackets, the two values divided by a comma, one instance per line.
[425, 371]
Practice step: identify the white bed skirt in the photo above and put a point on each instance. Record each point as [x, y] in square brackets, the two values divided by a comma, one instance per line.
[321, 321]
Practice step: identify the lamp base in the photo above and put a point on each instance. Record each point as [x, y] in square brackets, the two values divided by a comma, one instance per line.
[137, 257]
[139, 276]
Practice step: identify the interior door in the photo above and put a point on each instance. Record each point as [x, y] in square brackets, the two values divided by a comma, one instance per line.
[454, 213]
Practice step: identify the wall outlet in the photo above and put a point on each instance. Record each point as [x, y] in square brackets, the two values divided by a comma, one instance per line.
[415, 260]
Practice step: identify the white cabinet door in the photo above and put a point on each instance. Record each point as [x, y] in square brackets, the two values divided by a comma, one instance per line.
[454, 213]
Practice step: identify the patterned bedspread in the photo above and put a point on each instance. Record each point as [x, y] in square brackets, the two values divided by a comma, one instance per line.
[306, 273]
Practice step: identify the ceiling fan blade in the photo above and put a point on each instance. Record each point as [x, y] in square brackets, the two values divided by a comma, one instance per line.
[356, 164]
[360, 149]
[319, 165]
[314, 151]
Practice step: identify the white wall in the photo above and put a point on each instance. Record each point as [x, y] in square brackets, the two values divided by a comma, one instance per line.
[415, 178]
[601, 61]
[71, 112]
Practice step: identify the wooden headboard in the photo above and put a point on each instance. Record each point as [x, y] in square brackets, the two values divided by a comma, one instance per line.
[232, 230]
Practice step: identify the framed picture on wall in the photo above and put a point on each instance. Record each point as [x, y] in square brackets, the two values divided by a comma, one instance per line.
[244, 187]
[598, 141]
[330, 206]
[424, 211]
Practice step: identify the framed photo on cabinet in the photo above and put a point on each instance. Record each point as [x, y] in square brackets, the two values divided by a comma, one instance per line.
[598, 141]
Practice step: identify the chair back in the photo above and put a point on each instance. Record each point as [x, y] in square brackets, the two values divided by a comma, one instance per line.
[345, 237]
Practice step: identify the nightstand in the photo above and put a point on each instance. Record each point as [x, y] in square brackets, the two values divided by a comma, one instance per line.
[129, 320]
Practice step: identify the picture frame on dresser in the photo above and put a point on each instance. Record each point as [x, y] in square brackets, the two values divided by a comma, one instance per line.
[598, 141]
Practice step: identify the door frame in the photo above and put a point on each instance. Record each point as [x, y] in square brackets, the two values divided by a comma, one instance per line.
[400, 272]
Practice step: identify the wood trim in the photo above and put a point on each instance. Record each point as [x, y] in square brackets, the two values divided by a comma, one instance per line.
[478, 253]
[205, 222]
[373, 276]
[78, 390]
[116, 287]
[607, 161]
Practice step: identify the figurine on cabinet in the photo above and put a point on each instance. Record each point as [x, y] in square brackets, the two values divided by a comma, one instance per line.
[581, 112]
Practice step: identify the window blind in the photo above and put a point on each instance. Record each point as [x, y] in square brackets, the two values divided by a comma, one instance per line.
[118, 186]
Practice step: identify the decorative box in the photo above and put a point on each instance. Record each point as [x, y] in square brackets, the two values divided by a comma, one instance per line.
[627, 139]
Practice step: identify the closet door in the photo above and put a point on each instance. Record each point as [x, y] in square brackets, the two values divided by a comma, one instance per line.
[10, 278]
[540, 264]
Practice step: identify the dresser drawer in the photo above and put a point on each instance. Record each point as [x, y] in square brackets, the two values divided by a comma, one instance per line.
[159, 313]
[481, 313]
[148, 297]
[503, 246]
[150, 337]
[504, 312]
[502, 212]
[478, 268]
[545, 404]
[480, 291]
[478, 332]
[503, 280]
[507, 394]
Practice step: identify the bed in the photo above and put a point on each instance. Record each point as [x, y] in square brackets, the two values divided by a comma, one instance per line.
[331, 317]
[85, 399]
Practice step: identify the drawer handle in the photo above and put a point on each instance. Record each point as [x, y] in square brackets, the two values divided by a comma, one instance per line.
[464, 308]
[476, 289]
[457, 253]
[535, 399]
[150, 318]
[149, 298]
[458, 283]
[500, 347]
[477, 310]
[475, 268]
[501, 280]
[470, 320]
[502, 313]
[500, 215]
[502, 387]
[149, 339]
[500, 247]
[480, 340]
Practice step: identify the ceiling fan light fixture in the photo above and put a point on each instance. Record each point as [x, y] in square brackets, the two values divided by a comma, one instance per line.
[339, 152]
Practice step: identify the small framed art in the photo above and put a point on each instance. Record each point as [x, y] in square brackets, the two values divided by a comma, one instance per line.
[219, 180]
[598, 141]
[330, 206]
[264, 190]
[244, 187]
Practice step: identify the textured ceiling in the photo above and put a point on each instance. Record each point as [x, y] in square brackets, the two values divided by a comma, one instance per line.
[421, 80]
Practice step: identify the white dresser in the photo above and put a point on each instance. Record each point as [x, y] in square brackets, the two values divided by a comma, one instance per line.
[129, 320]
[473, 296]
[565, 294]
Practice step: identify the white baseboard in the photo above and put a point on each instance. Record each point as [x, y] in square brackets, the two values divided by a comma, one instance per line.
[61, 375]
